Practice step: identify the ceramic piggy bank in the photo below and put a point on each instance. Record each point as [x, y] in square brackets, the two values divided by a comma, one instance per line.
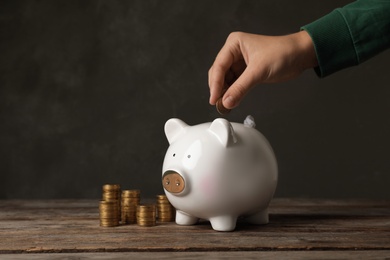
[218, 171]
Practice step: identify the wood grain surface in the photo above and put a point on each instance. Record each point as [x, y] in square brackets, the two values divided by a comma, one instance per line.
[298, 228]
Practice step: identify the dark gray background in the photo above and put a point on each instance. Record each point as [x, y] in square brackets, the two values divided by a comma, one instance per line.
[86, 87]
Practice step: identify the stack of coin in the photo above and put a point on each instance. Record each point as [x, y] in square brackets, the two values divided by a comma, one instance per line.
[130, 201]
[165, 211]
[108, 211]
[146, 215]
[112, 193]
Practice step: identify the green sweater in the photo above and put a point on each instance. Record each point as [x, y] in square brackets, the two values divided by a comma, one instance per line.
[350, 35]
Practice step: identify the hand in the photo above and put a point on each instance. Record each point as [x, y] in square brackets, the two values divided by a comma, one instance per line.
[249, 59]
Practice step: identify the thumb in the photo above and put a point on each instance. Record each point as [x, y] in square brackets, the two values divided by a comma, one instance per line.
[237, 91]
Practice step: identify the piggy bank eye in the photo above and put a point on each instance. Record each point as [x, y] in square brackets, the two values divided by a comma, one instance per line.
[174, 155]
[192, 155]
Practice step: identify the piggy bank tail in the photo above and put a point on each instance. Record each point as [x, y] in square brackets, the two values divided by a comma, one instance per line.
[249, 121]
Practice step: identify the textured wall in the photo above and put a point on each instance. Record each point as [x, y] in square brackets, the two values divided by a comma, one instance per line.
[86, 87]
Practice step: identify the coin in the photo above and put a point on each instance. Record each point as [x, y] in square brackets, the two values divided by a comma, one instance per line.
[220, 108]
[124, 207]
[108, 213]
[110, 187]
[146, 207]
[165, 211]
[146, 215]
[130, 201]
[107, 224]
[131, 193]
[112, 193]
[146, 223]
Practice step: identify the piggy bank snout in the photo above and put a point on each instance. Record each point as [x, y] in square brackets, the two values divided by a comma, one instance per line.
[173, 182]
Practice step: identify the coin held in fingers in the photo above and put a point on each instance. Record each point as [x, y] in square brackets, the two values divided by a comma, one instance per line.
[220, 108]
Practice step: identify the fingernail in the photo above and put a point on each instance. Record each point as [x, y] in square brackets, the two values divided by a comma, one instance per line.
[210, 101]
[228, 102]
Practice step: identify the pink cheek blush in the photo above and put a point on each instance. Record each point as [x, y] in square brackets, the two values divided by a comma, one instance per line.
[208, 187]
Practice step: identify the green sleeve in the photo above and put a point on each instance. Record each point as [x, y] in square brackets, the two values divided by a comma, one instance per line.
[350, 35]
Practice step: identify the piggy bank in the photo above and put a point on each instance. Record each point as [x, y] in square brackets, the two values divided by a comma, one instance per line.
[218, 171]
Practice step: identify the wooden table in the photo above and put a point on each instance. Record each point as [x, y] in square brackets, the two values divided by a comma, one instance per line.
[298, 229]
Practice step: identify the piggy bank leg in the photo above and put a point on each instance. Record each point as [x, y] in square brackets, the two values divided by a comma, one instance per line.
[184, 219]
[259, 218]
[223, 223]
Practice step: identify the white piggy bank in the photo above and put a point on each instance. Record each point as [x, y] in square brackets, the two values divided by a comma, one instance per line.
[218, 171]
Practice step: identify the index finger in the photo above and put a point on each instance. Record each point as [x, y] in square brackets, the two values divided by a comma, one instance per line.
[218, 72]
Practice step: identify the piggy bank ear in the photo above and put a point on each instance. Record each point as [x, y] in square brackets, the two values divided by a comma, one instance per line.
[174, 128]
[224, 132]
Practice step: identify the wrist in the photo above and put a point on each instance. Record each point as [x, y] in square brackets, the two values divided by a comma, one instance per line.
[306, 50]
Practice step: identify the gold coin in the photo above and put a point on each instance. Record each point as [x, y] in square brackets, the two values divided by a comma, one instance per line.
[166, 216]
[165, 206]
[142, 213]
[220, 108]
[146, 221]
[110, 196]
[109, 208]
[129, 214]
[145, 215]
[109, 211]
[165, 209]
[130, 200]
[162, 197]
[131, 193]
[171, 219]
[108, 215]
[147, 218]
[130, 204]
[109, 221]
[143, 208]
[153, 222]
[109, 187]
[108, 203]
[129, 209]
[159, 202]
[165, 212]
[147, 224]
